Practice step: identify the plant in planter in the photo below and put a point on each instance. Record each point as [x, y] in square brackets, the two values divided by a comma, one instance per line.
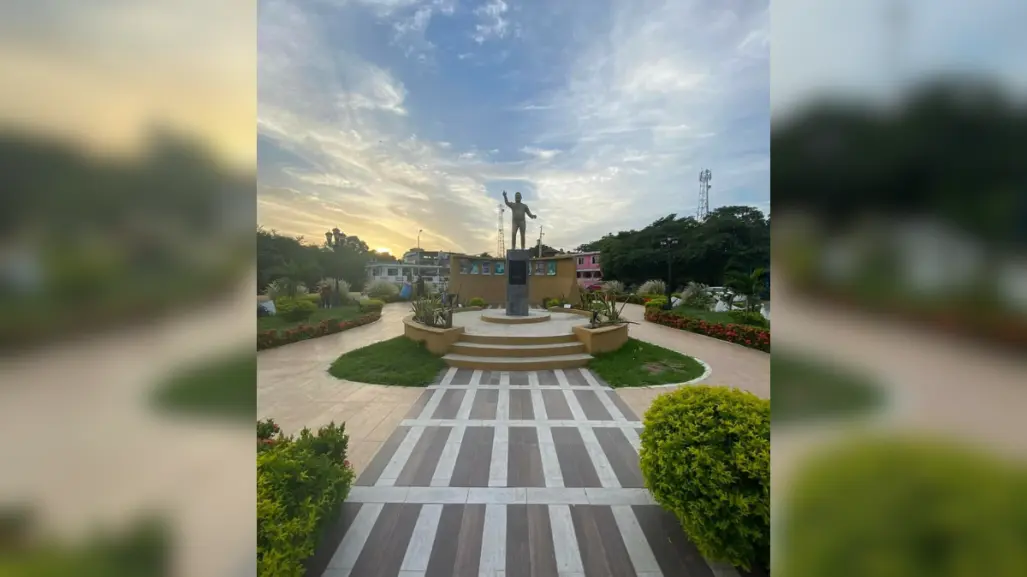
[430, 311]
[603, 306]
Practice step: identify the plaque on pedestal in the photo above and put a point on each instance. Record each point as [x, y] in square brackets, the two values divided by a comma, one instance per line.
[517, 262]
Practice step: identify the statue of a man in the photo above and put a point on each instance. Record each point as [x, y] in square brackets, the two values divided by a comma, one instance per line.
[517, 210]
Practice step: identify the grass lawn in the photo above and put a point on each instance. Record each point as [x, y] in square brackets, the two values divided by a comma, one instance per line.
[639, 364]
[804, 389]
[342, 313]
[224, 388]
[399, 361]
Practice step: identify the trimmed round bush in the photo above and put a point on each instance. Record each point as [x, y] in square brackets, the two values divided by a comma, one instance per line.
[295, 309]
[371, 305]
[904, 507]
[476, 302]
[706, 457]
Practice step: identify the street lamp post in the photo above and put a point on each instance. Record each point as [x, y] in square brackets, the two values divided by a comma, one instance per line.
[668, 245]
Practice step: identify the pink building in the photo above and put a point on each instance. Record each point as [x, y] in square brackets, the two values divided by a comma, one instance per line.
[588, 268]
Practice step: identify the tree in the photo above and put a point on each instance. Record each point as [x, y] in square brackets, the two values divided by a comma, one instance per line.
[340, 256]
[750, 285]
[731, 238]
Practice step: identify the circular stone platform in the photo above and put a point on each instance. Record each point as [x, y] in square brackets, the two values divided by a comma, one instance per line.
[499, 316]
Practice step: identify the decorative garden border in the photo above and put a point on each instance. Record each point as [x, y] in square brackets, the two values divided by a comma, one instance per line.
[276, 338]
[748, 336]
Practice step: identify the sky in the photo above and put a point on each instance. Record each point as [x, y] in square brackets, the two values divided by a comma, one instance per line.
[386, 117]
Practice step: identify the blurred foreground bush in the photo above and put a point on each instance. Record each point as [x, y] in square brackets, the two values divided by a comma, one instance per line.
[90, 241]
[919, 212]
[706, 457]
[905, 508]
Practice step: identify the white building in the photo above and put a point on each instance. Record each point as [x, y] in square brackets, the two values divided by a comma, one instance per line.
[433, 266]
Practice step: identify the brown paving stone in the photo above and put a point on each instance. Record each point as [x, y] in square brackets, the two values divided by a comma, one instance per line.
[575, 464]
[472, 463]
[556, 404]
[592, 406]
[520, 405]
[524, 460]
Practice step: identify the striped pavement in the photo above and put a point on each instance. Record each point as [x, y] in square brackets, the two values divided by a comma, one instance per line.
[512, 474]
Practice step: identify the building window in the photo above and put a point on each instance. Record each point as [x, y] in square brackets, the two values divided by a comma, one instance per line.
[595, 259]
[581, 260]
[580, 274]
[393, 272]
[374, 272]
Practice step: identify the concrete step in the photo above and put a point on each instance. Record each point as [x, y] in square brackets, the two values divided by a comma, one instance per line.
[517, 340]
[532, 350]
[517, 363]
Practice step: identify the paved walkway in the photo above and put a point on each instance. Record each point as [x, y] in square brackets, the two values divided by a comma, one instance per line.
[496, 474]
[511, 474]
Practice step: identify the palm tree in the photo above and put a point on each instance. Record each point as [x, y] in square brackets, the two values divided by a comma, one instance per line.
[750, 285]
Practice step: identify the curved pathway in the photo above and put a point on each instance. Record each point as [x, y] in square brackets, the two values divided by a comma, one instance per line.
[496, 474]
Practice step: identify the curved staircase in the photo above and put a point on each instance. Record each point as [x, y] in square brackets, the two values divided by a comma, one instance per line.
[517, 353]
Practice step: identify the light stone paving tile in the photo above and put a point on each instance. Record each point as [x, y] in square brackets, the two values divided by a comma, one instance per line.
[641, 554]
[447, 461]
[565, 543]
[353, 542]
[500, 456]
[400, 458]
[604, 470]
[421, 542]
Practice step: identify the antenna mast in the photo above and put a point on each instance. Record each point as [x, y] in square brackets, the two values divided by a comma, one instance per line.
[704, 194]
[501, 245]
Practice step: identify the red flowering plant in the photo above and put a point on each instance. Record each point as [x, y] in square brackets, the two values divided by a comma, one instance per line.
[274, 338]
[745, 335]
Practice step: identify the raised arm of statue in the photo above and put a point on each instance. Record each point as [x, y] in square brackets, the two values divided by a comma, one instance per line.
[507, 200]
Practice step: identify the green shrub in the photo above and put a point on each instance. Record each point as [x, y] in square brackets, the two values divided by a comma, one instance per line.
[656, 301]
[706, 457]
[383, 290]
[301, 483]
[903, 506]
[476, 302]
[748, 318]
[295, 309]
[371, 305]
[312, 298]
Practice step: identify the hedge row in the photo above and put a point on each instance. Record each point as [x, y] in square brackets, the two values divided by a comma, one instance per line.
[745, 335]
[276, 338]
[301, 484]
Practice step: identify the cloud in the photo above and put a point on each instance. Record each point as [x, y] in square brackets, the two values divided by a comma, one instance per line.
[492, 23]
[610, 110]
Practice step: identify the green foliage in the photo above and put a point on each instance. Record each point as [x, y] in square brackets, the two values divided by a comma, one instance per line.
[476, 302]
[614, 286]
[279, 255]
[732, 237]
[430, 312]
[605, 304]
[301, 483]
[656, 301]
[383, 290]
[652, 287]
[371, 305]
[312, 298]
[748, 285]
[749, 318]
[706, 456]
[698, 296]
[267, 429]
[398, 361]
[904, 507]
[220, 388]
[294, 309]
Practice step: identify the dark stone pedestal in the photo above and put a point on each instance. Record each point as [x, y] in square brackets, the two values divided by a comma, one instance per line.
[517, 262]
